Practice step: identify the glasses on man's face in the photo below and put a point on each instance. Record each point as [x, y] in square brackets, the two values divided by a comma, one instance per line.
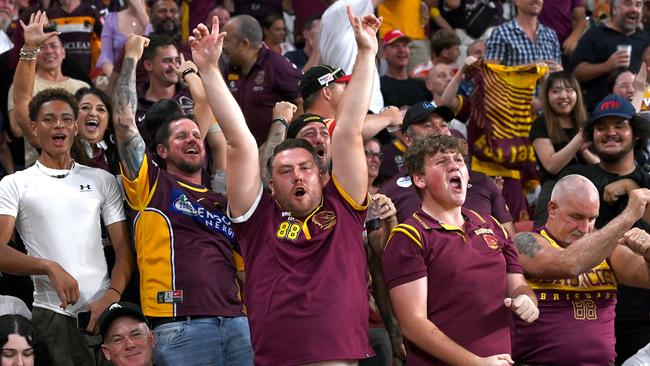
[372, 154]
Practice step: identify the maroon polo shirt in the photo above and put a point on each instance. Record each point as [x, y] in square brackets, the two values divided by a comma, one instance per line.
[466, 270]
[272, 79]
[483, 196]
[306, 280]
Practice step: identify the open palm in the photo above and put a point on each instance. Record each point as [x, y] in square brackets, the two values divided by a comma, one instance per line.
[34, 34]
[365, 30]
[206, 45]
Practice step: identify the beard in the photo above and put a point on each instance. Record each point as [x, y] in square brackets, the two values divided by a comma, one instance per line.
[185, 166]
[167, 27]
[614, 157]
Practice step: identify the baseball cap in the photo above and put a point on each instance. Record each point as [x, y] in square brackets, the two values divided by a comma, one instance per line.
[319, 76]
[394, 36]
[116, 310]
[420, 112]
[613, 106]
[301, 121]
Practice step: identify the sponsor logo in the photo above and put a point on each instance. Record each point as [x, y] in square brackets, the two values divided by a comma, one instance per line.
[213, 220]
[491, 241]
[85, 188]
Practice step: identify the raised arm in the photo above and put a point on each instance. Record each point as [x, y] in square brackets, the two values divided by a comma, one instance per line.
[23, 87]
[130, 144]
[349, 165]
[631, 260]
[242, 171]
[450, 95]
[283, 113]
[188, 72]
[540, 259]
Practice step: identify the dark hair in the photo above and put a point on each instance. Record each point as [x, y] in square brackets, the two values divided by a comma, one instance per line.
[430, 145]
[610, 81]
[294, 143]
[163, 132]
[579, 117]
[640, 125]
[268, 20]
[248, 28]
[49, 95]
[151, 3]
[155, 41]
[18, 324]
[112, 156]
[310, 21]
[442, 40]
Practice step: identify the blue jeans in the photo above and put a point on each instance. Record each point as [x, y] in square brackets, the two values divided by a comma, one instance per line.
[204, 341]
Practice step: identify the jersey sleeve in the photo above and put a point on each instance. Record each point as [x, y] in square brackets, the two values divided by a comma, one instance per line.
[140, 190]
[359, 211]
[9, 196]
[287, 79]
[404, 257]
[508, 250]
[112, 207]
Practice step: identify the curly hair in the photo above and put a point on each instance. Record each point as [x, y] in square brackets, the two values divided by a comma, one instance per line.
[49, 95]
[430, 145]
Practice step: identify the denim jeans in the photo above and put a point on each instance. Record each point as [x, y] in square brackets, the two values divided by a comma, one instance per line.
[215, 341]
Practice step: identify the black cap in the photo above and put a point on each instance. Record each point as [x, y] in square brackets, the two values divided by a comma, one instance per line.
[301, 121]
[420, 112]
[319, 76]
[116, 310]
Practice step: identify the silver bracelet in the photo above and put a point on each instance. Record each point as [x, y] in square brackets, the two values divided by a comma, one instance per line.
[28, 54]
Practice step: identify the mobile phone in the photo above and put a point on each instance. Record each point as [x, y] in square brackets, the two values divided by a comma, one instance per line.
[83, 319]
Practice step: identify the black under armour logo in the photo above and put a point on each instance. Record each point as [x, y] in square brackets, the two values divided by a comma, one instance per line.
[84, 187]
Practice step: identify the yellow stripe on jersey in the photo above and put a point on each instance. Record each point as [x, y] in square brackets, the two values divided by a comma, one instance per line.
[238, 261]
[505, 232]
[349, 199]
[138, 192]
[599, 278]
[493, 169]
[200, 190]
[408, 230]
[305, 228]
[154, 247]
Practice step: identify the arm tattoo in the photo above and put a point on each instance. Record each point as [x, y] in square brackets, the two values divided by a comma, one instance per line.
[527, 244]
[130, 144]
[277, 134]
[132, 155]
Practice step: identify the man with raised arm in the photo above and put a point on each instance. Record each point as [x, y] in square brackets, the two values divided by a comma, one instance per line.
[58, 207]
[306, 290]
[574, 271]
[183, 238]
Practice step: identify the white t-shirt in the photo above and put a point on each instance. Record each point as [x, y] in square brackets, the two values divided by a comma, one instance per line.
[59, 219]
[338, 48]
[641, 358]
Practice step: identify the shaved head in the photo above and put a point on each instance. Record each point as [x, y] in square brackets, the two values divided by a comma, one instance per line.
[574, 185]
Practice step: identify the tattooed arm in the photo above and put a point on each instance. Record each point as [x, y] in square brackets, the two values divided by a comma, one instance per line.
[540, 259]
[278, 133]
[130, 144]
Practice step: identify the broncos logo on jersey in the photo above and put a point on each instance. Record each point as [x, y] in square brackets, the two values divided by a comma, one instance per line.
[325, 220]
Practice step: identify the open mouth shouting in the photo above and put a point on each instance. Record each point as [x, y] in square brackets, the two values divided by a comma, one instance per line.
[59, 139]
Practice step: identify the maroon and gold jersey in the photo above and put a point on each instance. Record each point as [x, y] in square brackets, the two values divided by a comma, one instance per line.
[306, 280]
[184, 243]
[466, 272]
[576, 319]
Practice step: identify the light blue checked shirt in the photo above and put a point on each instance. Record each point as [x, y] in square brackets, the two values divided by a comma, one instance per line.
[510, 44]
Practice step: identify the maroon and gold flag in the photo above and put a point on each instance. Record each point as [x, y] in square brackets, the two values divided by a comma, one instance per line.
[501, 116]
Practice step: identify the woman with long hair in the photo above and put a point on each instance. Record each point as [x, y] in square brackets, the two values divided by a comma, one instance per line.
[21, 343]
[557, 136]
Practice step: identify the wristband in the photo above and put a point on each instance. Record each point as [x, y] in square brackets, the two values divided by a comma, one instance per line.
[28, 54]
[114, 289]
[189, 70]
[280, 119]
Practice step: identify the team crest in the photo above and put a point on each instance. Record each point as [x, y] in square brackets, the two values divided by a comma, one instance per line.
[259, 78]
[491, 241]
[325, 220]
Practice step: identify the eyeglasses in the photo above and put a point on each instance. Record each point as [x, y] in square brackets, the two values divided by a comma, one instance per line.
[372, 154]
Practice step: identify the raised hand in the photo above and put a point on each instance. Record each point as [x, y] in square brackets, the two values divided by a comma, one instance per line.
[524, 307]
[365, 30]
[185, 64]
[134, 46]
[34, 34]
[206, 45]
[284, 110]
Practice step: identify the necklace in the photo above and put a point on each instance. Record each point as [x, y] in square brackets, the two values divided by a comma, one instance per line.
[45, 170]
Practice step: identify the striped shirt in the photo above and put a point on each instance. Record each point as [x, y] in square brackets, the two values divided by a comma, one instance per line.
[509, 44]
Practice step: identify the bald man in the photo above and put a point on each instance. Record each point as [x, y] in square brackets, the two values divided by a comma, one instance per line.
[574, 272]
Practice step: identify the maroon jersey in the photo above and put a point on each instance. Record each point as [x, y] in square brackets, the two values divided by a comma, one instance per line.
[576, 319]
[272, 79]
[466, 271]
[306, 281]
[184, 243]
[483, 196]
